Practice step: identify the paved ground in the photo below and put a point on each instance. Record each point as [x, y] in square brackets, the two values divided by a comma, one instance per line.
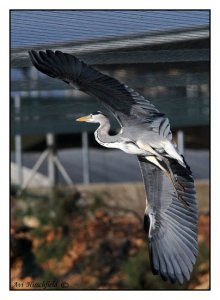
[113, 165]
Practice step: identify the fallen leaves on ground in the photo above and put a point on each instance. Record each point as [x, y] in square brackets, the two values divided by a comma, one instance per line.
[99, 245]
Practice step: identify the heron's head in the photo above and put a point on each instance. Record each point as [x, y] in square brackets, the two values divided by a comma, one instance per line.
[96, 117]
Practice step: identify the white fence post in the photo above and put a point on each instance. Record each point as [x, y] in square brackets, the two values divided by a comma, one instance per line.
[85, 157]
[18, 143]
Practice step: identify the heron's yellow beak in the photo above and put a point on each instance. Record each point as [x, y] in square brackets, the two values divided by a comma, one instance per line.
[83, 119]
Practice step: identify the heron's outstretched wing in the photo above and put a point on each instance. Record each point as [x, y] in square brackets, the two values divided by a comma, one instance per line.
[171, 226]
[125, 103]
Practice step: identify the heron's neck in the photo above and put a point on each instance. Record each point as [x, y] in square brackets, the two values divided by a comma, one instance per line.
[102, 133]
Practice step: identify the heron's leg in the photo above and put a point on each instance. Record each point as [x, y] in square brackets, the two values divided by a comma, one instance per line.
[169, 174]
[172, 176]
[154, 159]
[176, 184]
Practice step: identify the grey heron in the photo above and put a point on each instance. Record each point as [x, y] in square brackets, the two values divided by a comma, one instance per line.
[171, 214]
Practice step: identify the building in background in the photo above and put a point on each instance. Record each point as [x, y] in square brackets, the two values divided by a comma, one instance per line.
[162, 54]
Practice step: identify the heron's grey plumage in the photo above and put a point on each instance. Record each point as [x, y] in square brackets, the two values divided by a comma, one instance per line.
[125, 103]
[171, 212]
[172, 227]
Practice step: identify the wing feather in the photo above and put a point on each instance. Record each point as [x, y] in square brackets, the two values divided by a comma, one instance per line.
[171, 226]
[125, 103]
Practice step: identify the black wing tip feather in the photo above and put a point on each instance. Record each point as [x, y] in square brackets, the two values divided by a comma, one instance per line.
[49, 53]
[39, 61]
[53, 55]
[49, 57]
[117, 96]
[32, 53]
[64, 66]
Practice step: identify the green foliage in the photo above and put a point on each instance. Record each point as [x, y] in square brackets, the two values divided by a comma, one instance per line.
[58, 211]
[140, 277]
[53, 210]
[55, 249]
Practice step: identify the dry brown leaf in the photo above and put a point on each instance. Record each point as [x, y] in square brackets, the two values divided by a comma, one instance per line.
[204, 282]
